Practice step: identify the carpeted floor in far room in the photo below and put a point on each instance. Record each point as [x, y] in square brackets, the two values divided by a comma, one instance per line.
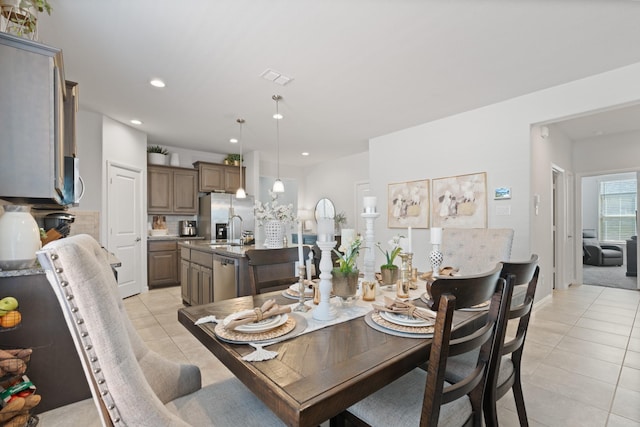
[610, 276]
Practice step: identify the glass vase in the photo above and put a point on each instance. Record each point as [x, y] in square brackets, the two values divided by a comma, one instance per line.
[345, 285]
[19, 238]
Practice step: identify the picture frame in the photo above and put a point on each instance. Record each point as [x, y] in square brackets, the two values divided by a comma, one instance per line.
[408, 204]
[502, 193]
[460, 201]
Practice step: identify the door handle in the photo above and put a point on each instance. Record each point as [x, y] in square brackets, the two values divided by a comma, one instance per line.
[138, 239]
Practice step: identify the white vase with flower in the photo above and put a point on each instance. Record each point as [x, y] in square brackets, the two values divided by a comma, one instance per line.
[275, 218]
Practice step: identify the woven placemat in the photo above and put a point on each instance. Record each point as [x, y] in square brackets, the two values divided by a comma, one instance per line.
[229, 335]
[375, 316]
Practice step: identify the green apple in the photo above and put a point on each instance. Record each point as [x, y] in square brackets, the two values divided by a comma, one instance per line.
[3, 312]
[8, 304]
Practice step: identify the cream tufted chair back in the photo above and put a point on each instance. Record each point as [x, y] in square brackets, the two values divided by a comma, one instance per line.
[475, 250]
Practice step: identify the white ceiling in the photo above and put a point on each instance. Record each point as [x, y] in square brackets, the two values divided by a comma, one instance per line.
[361, 68]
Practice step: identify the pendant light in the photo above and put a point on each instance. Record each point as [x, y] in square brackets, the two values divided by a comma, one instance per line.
[278, 186]
[240, 193]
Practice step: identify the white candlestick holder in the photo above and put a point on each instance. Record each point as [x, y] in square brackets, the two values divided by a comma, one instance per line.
[324, 310]
[369, 241]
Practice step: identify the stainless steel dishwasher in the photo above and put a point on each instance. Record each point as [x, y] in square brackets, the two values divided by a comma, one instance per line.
[225, 277]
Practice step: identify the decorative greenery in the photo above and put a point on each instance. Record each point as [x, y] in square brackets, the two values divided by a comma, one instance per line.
[272, 210]
[24, 17]
[391, 255]
[348, 255]
[157, 149]
[340, 219]
[234, 158]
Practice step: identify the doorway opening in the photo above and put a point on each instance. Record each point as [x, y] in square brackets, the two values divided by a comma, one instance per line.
[609, 230]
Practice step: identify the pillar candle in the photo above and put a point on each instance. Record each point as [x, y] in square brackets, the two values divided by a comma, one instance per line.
[409, 244]
[325, 229]
[348, 235]
[300, 251]
[369, 204]
[436, 235]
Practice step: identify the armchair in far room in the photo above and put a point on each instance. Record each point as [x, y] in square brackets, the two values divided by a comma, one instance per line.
[595, 253]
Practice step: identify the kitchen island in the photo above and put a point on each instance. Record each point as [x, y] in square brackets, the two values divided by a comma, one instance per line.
[212, 272]
[215, 272]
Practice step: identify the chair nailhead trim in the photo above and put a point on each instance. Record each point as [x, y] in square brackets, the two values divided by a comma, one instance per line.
[106, 397]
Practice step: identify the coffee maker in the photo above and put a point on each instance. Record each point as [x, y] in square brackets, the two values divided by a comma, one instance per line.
[187, 228]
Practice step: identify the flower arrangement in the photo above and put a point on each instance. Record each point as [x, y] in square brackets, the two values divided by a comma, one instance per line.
[274, 211]
[391, 255]
[348, 254]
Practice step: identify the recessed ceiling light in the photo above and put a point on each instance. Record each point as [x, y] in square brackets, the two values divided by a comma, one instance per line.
[157, 83]
[136, 121]
[233, 140]
[305, 154]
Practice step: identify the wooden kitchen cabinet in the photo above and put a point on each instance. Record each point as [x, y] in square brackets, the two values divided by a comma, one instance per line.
[163, 263]
[172, 190]
[218, 177]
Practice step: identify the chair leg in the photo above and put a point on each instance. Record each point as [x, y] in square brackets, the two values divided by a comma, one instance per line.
[517, 391]
[489, 408]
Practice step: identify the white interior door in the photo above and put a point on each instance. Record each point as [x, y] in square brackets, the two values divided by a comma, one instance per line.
[125, 225]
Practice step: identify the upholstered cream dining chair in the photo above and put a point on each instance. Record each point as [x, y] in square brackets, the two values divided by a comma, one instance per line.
[132, 385]
[475, 250]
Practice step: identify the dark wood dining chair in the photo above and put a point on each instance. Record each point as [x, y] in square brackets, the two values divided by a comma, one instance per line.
[273, 269]
[505, 374]
[425, 398]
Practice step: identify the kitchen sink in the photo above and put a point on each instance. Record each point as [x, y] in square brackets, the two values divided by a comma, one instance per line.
[220, 243]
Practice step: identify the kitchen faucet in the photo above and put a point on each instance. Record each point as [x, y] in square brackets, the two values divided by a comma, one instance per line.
[231, 228]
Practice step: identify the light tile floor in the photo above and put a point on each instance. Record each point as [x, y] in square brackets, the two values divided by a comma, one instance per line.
[581, 364]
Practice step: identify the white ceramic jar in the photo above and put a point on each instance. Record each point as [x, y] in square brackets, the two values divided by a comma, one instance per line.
[19, 238]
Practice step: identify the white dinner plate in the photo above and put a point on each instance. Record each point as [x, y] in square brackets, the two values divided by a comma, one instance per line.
[308, 292]
[256, 327]
[404, 320]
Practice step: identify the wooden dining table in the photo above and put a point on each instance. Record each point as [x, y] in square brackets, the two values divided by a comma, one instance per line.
[318, 374]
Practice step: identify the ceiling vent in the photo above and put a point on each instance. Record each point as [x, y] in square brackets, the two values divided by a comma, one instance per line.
[275, 77]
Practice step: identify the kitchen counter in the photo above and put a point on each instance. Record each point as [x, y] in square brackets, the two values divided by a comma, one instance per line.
[174, 237]
[226, 250]
[115, 262]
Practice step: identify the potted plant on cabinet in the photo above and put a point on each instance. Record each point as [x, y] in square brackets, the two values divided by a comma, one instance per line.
[389, 270]
[157, 155]
[20, 17]
[233, 159]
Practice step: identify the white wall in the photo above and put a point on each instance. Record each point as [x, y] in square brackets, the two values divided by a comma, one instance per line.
[336, 180]
[497, 139]
[126, 146]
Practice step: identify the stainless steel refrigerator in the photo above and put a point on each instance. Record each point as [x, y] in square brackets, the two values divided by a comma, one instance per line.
[216, 209]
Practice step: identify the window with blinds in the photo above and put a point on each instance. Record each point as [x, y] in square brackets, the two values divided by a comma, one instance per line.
[618, 209]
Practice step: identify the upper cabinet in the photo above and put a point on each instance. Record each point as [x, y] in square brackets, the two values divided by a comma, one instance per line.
[172, 190]
[33, 118]
[218, 177]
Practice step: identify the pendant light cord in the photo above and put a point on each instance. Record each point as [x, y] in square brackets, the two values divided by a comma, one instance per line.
[278, 136]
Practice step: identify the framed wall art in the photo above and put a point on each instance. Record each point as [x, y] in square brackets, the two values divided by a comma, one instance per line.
[460, 201]
[408, 204]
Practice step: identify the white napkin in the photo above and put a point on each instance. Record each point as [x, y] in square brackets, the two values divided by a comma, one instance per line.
[259, 354]
[206, 319]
